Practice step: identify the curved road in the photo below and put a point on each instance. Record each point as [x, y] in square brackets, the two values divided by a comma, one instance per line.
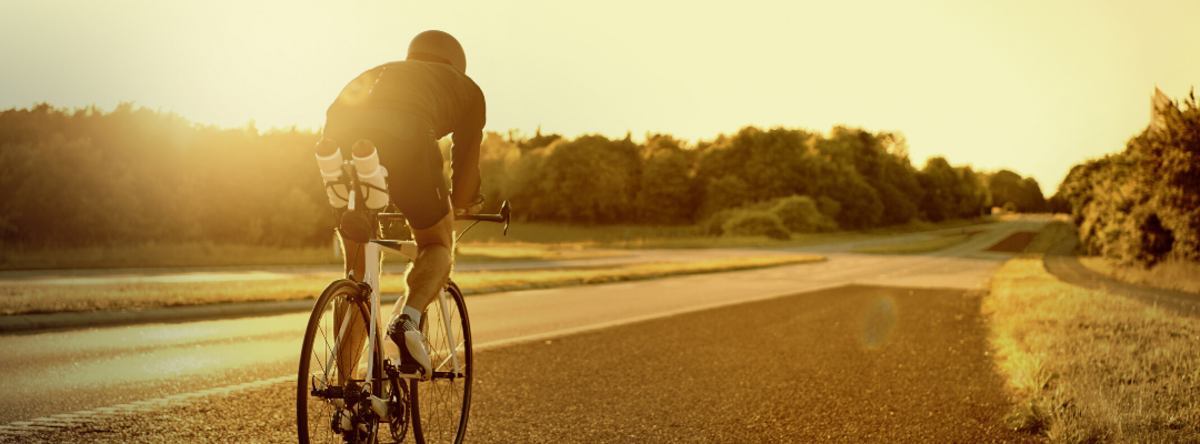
[1062, 263]
[781, 354]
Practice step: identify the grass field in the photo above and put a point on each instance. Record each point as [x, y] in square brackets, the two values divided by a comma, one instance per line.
[1086, 366]
[18, 297]
[214, 255]
[484, 243]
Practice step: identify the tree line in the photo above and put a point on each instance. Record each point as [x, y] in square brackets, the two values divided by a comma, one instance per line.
[855, 179]
[1142, 206]
[89, 177]
[137, 175]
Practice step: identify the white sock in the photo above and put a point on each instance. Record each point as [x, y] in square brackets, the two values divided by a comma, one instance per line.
[413, 315]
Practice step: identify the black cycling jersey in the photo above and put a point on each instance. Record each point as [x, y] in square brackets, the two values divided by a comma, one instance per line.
[415, 101]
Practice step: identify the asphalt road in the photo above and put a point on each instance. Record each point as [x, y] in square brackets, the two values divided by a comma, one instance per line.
[220, 381]
[850, 364]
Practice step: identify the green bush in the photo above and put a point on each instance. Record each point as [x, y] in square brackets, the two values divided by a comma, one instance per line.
[799, 214]
[755, 223]
[829, 207]
[714, 225]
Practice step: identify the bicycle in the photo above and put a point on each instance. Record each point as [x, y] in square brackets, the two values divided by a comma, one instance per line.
[333, 408]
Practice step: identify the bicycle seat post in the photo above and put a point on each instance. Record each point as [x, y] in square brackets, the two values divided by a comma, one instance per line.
[371, 278]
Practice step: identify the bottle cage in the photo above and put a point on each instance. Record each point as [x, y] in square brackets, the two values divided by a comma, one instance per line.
[344, 180]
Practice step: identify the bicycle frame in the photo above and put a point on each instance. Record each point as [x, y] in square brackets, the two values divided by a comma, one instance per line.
[373, 249]
[371, 278]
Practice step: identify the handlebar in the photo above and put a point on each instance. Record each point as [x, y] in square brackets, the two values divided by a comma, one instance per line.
[502, 217]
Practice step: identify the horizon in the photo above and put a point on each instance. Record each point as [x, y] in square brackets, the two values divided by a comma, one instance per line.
[1024, 86]
[689, 144]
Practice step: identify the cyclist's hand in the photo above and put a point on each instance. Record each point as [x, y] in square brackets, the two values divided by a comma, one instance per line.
[474, 207]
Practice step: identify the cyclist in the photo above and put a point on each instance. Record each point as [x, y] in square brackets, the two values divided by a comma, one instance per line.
[402, 109]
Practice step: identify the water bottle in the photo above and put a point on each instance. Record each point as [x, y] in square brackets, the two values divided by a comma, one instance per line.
[366, 161]
[329, 159]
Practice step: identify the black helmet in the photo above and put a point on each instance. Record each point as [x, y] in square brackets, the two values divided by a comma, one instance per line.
[437, 46]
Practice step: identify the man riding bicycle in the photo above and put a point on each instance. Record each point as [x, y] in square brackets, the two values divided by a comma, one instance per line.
[400, 110]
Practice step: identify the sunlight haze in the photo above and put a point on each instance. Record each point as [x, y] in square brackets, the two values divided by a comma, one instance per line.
[1031, 86]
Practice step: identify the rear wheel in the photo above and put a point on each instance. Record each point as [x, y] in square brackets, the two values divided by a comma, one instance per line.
[440, 406]
[333, 363]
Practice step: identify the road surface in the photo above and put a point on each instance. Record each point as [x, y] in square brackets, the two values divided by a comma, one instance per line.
[780, 354]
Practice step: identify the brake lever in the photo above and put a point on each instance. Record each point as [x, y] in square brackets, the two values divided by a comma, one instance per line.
[505, 213]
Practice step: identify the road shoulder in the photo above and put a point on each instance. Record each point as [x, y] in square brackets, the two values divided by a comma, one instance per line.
[1061, 262]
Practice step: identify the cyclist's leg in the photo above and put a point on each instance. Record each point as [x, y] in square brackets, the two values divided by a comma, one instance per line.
[354, 256]
[426, 278]
[350, 350]
[431, 269]
[414, 164]
[354, 261]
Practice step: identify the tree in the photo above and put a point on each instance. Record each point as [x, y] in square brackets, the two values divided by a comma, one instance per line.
[882, 161]
[1025, 193]
[596, 179]
[664, 193]
[938, 180]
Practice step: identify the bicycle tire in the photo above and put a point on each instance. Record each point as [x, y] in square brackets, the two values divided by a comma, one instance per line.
[318, 372]
[440, 407]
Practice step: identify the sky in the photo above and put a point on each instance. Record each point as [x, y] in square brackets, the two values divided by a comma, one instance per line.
[1030, 86]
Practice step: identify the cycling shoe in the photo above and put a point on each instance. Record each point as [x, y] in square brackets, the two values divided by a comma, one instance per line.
[414, 359]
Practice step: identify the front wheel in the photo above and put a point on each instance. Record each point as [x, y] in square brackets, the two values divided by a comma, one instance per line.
[441, 405]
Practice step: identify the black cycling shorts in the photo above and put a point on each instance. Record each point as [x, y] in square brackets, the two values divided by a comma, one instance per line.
[409, 151]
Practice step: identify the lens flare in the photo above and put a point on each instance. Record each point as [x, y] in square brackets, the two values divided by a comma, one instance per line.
[878, 322]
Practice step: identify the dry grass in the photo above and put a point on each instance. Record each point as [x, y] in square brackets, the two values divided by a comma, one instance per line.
[924, 246]
[684, 236]
[1087, 366]
[521, 251]
[484, 243]
[161, 255]
[1171, 275]
[40, 297]
[212, 255]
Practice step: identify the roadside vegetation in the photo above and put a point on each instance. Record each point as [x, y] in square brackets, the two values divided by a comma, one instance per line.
[90, 183]
[1139, 209]
[79, 295]
[1086, 366]
[208, 255]
[527, 241]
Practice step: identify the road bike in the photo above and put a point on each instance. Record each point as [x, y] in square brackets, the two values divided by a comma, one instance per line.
[347, 385]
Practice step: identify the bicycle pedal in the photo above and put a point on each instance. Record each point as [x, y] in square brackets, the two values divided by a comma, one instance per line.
[409, 371]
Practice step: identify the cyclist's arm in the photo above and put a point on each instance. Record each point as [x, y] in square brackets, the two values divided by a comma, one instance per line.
[464, 161]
